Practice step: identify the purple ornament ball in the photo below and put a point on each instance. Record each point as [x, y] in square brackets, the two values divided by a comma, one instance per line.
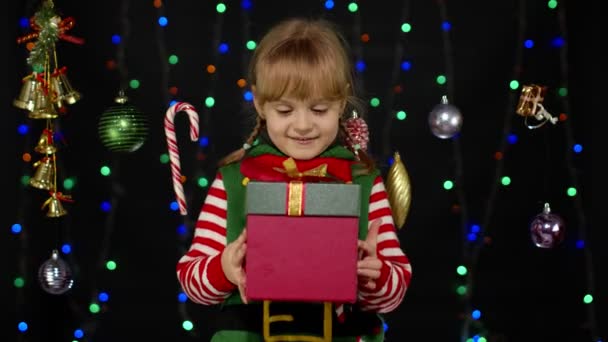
[547, 230]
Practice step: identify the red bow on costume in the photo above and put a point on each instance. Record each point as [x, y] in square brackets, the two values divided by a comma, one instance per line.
[268, 167]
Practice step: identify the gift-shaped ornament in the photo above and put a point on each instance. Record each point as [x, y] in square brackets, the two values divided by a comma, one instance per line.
[302, 241]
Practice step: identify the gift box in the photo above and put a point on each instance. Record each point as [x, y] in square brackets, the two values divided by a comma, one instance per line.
[302, 241]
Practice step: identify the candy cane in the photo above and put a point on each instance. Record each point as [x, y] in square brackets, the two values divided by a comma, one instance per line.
[173, 149]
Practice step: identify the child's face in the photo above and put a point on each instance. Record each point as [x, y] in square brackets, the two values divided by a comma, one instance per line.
[301, 129]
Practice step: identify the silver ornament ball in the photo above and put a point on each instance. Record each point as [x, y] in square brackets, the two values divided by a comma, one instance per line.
[55, 275]
[445, 120]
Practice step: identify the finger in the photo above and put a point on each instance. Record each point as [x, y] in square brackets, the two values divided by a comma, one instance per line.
[365, 249]
[369, 274]
[243, 293]
[370, 263]
[372, 236]
[370, 285]
[372, 233]
[239, 255]
[242, 238]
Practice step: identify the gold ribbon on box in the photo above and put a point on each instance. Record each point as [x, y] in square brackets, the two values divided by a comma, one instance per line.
[295, 189]
[291, 169]
[295, 198]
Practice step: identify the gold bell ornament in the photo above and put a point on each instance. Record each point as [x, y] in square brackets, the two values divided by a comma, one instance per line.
[55, 208]
[399, 190]
[45, 143]
[43, 107]
[44, 176]
[530, 105]
[61, 89]
[27, 96]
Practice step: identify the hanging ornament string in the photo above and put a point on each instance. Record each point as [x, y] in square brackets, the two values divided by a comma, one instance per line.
[394, 86]
[173, 148]
[582, 227]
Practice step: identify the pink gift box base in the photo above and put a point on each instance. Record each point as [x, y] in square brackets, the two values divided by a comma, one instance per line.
[301, 258]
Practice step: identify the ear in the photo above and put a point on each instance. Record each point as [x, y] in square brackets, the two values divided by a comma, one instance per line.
[256, 103]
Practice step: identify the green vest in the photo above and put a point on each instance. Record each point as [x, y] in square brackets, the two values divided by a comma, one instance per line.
[235, 222]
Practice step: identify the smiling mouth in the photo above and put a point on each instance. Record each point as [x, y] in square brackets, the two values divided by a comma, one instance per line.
[303, 141]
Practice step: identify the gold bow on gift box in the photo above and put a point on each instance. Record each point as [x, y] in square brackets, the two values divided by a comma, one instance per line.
[291, 169]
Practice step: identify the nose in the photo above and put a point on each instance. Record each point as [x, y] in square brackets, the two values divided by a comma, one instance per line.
[303, 122]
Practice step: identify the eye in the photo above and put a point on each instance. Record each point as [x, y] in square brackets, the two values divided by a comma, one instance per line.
[320, 110]
[283, 110]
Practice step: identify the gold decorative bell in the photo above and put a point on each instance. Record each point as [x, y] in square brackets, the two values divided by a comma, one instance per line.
[44, 175]
[43, 108]
[531, 96]
[62, 89]
[55, 207]
[45, 143]
[27, 96]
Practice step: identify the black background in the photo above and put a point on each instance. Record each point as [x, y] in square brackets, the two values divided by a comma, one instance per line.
[525, 293]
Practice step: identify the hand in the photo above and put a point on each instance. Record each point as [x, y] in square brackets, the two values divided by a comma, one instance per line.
[233, 258]
[368, 266]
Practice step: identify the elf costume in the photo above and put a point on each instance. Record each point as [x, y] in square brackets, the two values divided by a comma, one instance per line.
[224, 214]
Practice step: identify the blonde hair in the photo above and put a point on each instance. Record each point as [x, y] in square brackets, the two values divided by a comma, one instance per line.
[302, 58]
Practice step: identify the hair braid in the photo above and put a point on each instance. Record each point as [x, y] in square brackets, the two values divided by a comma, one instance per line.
[240, 153]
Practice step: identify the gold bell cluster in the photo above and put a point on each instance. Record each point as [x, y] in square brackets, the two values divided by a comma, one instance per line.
[45, 94]
[45, 175]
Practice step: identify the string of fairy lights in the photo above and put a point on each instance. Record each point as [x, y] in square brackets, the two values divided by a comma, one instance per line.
[399, 69]
[123, 142]
[219, 49]
[168, 91]
[475, 236]
[573, 148]
[18, 229]
[447, 81]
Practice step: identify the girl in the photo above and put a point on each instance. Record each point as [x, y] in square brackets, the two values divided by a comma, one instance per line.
[302, 82]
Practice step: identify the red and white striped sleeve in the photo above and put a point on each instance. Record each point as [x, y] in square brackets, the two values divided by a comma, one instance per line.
[199, 271]
[396, 271]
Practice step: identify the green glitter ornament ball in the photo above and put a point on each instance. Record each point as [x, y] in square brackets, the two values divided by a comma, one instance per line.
[122, 128]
